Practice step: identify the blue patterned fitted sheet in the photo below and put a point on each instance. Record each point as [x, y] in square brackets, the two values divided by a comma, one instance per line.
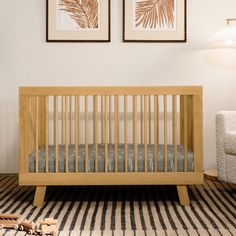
[111, 158]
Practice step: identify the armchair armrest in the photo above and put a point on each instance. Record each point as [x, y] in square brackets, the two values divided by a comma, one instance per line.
[225, 122]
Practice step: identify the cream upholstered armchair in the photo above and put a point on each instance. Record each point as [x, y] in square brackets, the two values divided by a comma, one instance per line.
[226, 145]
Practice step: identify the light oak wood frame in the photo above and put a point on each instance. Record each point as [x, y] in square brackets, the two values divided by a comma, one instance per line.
[34, 118]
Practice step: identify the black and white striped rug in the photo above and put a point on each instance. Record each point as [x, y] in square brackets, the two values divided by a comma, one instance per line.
[133, 210]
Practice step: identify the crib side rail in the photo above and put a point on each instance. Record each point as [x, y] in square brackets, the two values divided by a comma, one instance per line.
[110, 90]
[110, 115]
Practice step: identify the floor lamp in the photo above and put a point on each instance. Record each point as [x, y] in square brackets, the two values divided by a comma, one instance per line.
[223, 40]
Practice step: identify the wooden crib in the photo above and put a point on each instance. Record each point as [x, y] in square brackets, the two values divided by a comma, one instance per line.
[111, 136]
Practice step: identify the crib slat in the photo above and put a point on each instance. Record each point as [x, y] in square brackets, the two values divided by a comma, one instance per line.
[145, 133]
[34, 119]
[66, 133]
[25, 113]
[156, 131]
[141, 119]
[110, 119]
[189, 121]
[95, 130]
[30, 112]
[165, 133]
[33, 103]
[125, 133]
[78, 123]
[37, 134]
[185, 133]
[118, 122]
[134, 132]
[150, 119]
[76, 132]
[56, 131]
[116, 129]
[174, 129]
[105, 133]
[102, 119]
[41, 117]
[197, 132]
[71, 128]
[79, 118]
[86, 133]
[46, 131]
[63, 119]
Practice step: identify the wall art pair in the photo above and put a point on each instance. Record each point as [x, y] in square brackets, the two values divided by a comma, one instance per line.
[90, 21]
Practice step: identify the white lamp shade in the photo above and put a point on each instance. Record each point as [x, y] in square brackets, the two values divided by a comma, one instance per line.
[224, 38]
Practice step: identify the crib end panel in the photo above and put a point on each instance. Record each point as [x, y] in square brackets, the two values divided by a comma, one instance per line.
[198, 133]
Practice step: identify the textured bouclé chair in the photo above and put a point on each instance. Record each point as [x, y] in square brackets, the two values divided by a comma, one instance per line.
[226, 145]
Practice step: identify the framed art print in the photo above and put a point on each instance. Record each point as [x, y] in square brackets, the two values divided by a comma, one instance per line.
[154, 21]
[78, 21]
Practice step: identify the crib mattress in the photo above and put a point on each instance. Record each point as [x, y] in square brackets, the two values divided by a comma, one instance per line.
[111, 158]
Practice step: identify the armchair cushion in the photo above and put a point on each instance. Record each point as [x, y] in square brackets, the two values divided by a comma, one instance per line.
[230, 142]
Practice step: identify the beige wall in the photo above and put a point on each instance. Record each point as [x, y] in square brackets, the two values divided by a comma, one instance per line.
[26, 59]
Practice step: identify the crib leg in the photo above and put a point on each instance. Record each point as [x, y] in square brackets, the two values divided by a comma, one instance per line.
[183, 195]
[39, 196]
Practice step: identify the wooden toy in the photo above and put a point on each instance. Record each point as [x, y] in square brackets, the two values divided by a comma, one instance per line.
[47, 227]
[9, 221]
[28, 226]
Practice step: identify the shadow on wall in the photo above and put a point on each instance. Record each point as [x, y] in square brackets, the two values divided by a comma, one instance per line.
[9, 152]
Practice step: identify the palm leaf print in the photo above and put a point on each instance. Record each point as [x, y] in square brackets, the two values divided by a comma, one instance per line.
[83, 12]
[154, 13]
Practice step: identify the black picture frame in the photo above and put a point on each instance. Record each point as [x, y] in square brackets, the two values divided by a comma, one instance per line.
[51, 27]
[127, 39]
